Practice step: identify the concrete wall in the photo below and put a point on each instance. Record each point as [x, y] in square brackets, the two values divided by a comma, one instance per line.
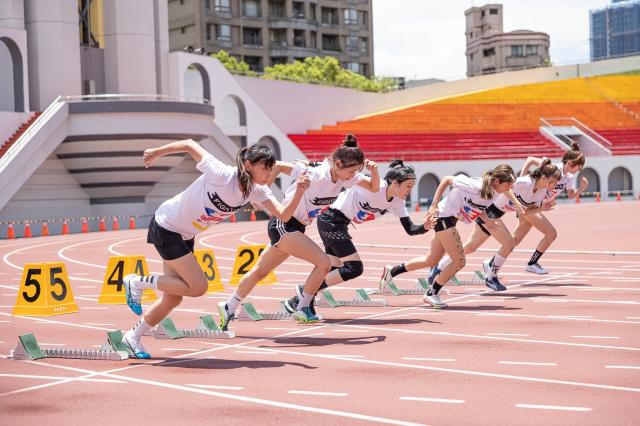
[54, 50]
[10, 122]
[14, 69]
[296, 108]
[12, 14]
[130, 46]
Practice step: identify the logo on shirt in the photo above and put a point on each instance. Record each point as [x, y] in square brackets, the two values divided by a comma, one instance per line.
[221, 205]
[319, 201]
[368, 208]
[523, 202]
[317, 212]
[468, 214]
[474, 205]
[363, 216]
[213, 216]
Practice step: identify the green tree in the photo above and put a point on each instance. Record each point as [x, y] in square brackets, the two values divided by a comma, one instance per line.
[232, 64]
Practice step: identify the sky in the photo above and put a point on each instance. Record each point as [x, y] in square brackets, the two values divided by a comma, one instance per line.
[425, 38]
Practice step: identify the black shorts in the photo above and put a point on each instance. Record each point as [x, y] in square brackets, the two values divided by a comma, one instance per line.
[334, 232]
[444, 223]
[480, 224]
[169, 244]
[276, 229]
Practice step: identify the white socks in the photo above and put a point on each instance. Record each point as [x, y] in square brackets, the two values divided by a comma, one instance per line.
[496, 263]
[305, 300]
[444, 262]
[233, 302]
[146, 281]
[139, 330]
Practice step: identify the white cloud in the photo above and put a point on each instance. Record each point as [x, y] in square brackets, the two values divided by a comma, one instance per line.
[425, 38]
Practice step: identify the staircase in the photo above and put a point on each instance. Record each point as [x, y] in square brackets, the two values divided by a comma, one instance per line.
[16, 135]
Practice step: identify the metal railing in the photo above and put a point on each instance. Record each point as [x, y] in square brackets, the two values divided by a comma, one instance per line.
[597, 137]
[131, 97]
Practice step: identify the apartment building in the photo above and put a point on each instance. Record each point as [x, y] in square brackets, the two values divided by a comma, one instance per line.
[491, 50]
[267, 32]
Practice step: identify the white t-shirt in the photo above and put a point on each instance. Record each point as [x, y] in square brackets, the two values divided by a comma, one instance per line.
[322, 191]
[566, 181]
[361, 205]
[523, 189]
[464, 200]
[208, 200]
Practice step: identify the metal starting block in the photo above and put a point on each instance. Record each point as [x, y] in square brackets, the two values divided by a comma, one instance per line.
[478, 279]
[207, 329]
[392, 289]
[249, 313]
[28, 348]
[362, 299]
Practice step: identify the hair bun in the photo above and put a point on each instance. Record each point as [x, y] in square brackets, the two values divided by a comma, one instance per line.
[350, 140]
[396, 164]
[575, 146]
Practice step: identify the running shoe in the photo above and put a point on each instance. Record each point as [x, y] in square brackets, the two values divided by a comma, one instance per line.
[494, 284]
[434, 300]
[291, 304]
[433, 273]
[134, 346]
[386, 278]
[305, 316]
[225, 316]
[133, 294]
[536, 269]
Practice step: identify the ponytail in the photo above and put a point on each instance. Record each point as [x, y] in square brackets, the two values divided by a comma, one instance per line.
[399, 172]
[256, 153]
[575, 155]
[349, 153]
[502, 173]
[547, 170]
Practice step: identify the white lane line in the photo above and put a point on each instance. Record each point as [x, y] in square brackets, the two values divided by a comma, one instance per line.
[181, 349]
[619, 302]
[633, 318]
[528, 363]
[5, 321]
[595, 337]
[573, 316]
[254, 352]
[630, 367]
[301, 392]
[350, 331]
[100, 323]
[506, 334]
[408, 358]
[553, 407]
[361, 313]
[423, 399]
[281, 328]
[630, 266]
[310, 335]
[30, 376]
[564, 317]
[214, 387]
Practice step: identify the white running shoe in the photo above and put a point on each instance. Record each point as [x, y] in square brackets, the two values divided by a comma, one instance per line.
[536, 269]
[434, 300]
[133, 293]
[135, 346]
[386, 278]
[488, 270]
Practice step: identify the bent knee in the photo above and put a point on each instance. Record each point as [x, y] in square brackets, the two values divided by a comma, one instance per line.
[459, 263]
[552, 234]
[198, 288]
[324, 265]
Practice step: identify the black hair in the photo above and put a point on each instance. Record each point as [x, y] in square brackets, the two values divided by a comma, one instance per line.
[399, 172]
[256, 153]
[349, 153]
[547, 170]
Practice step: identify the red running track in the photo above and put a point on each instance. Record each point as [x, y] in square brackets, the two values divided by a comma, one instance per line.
[557, 349]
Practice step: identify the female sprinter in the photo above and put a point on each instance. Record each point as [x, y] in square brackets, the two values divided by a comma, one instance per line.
[572, 162]
[360, 206]
[467, 200]
[218, 193]
[530, 191]
[288, 238]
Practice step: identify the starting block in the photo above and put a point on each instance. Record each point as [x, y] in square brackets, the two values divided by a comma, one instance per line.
[28, 348]
[207, 329]
[362, 299]
[392, 289]
[478, 279]
[249, 313]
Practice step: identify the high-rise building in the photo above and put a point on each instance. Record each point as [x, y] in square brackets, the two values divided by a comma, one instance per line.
[615, 30]
[267, 32]
[490, 50]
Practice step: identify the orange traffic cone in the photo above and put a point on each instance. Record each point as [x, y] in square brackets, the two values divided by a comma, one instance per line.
[11, 234]
[45, 229]
[65, 228]
[618, 197]
[418, 206]
[252, 216]
[102, 226]
[27, 230]
[85, 226]
[597, 197]
[233, 218]
[132, 223]
[578, 199]
[115, 225]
